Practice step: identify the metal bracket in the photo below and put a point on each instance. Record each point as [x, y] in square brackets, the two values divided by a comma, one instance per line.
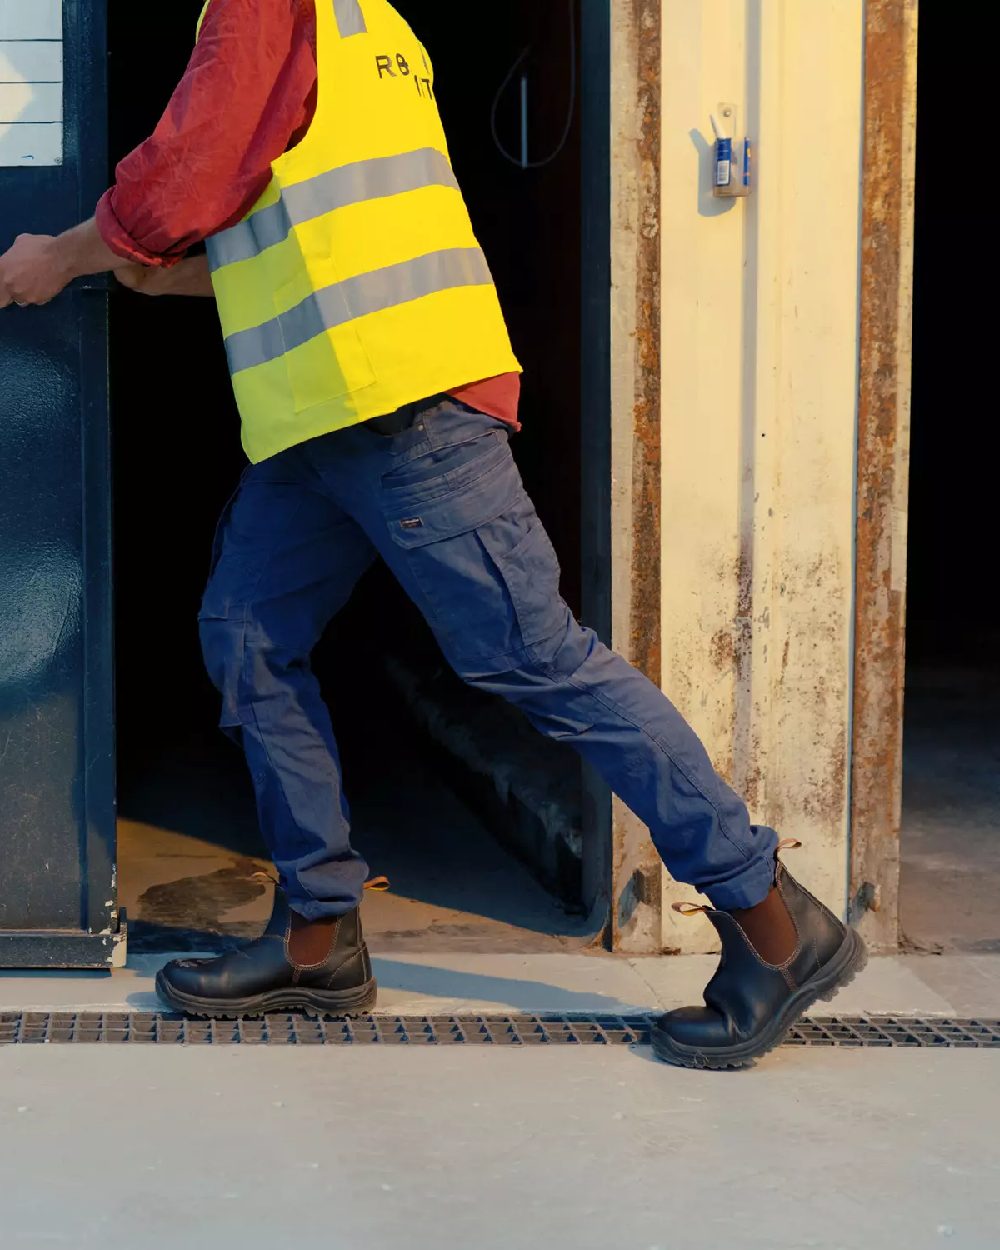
[737, 189]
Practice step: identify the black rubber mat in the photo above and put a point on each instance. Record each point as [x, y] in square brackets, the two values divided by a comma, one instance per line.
[284, 1029]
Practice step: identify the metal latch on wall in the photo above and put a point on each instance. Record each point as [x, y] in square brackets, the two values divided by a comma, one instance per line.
[732, 169]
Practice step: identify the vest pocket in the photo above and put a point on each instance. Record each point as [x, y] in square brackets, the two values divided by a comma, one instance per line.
[324, 354]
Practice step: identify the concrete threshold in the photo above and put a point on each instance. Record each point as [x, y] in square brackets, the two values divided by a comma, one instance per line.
[435, 982]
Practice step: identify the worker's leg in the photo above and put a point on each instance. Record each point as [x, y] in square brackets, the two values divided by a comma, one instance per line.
[446, 507]
[574, 689]
[286, 561]
[454, 523]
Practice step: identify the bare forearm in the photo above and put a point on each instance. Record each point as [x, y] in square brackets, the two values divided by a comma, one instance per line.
[37, 267]
[82, 251]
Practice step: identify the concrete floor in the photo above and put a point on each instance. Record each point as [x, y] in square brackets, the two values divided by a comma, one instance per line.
[950, 883]
[240, 1148]
[432, 982]
[219, 1149]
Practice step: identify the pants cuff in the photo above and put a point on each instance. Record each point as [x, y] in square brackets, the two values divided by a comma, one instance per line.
[750, 887]
[310, 909]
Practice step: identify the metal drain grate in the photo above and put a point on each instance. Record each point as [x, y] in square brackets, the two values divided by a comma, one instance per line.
[284, 1029]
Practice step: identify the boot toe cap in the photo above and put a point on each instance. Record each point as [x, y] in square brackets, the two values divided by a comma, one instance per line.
[188, 976]
[694, 1028]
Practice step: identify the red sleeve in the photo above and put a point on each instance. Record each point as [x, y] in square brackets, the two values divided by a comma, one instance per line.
[249, 89]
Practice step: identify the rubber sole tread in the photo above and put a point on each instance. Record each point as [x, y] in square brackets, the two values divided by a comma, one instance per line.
[312, 1004]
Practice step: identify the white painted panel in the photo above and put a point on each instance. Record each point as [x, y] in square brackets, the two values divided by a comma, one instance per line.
[31, 76]
[31, 146]
[31, 102]
[30, 19]
[760, 349]
[31, 62]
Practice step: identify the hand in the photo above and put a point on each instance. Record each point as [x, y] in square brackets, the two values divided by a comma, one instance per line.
[33, 271]
[136, 277]
[188, 277]
[149, 279]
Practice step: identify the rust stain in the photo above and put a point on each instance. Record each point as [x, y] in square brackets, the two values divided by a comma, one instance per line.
[830, 798]
[743, 623]
[721, 650]
[646, 649]
[751, 782]
[879, 615]
[635, 918]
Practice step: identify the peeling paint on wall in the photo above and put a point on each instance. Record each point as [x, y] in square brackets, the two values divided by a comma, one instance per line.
[759, 370]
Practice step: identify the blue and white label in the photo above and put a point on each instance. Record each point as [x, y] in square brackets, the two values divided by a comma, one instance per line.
[31, 83]
[723, 162]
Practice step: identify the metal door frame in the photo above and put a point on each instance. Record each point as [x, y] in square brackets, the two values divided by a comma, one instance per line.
[100, 942]
[883, 465]
[621, 521]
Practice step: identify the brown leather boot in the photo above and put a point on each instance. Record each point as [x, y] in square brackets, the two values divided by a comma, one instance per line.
[319, 967]
[750, 1004]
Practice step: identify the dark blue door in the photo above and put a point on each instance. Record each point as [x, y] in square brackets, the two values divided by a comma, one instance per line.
[58, 905]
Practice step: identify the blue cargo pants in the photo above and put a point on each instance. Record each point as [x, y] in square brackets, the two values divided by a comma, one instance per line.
[443, 504]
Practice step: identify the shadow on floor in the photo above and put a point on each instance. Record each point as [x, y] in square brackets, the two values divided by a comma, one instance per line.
[451, 985]
[192, 856]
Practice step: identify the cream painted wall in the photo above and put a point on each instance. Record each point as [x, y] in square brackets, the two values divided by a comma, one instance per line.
[760, 350]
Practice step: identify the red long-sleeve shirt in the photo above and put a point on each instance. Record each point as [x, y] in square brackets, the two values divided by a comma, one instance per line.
[248, 94]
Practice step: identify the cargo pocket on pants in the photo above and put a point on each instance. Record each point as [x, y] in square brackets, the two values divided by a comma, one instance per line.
[223, 645]
[531, 573]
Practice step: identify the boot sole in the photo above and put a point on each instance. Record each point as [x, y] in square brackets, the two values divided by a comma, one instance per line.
[839, 971]
[345, 1003]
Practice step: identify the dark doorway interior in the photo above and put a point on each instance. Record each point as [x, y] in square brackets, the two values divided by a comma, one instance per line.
[951, 808]
[191, 859]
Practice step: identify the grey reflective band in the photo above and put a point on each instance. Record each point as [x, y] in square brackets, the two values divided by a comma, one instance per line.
[251, 237]
[338, 188]
[357, 297]
[350, 19]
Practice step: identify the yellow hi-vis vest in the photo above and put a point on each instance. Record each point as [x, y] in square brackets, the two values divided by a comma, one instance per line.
[355, 284]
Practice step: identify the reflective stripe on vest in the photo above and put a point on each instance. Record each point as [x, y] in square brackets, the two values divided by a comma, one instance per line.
[356, 297]
[350, 19]
[338, 188]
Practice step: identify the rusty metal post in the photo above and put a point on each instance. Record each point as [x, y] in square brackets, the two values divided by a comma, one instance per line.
[883, 446]
[635, 454]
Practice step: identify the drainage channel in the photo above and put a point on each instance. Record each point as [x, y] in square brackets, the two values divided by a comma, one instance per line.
[286, 1029]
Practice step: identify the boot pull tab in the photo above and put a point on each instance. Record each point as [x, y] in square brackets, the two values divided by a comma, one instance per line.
[789, 844]
[379, 885]
[689, 909]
